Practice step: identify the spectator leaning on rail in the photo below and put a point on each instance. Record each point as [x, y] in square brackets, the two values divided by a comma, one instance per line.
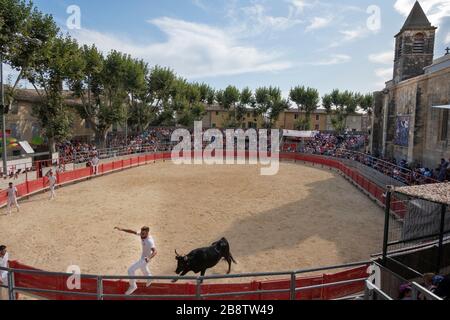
[4, 257]
[442, 175]
[439, 285]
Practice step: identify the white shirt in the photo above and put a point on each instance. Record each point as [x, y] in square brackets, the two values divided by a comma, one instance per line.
[95, 161]
[147, 246]
[12, 193]
[4, 264]
[52, 180]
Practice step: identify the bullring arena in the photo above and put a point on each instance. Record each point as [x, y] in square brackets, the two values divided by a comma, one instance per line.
[302, 217]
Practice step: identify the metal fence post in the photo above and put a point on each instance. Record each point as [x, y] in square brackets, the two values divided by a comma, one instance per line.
[441, 239]
[11, 285]
[99, 288]
[386, 223]
[198, 290]
[293, 286]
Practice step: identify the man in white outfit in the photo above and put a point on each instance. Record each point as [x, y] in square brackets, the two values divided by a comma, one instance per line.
[95, 162]
[52, 184]
[148, 253]
[4, 257]
[12, 198]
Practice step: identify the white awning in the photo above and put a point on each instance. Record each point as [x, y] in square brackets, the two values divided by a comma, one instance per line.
[442, 107]
[26, 146]
[299, 134]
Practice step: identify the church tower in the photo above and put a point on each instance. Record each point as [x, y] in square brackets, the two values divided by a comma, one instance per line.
[414, 46]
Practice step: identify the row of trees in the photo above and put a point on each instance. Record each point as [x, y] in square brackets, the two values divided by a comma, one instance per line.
[119, 89]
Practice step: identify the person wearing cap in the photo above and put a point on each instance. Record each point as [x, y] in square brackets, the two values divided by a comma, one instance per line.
[442, 285]
[4, 259]
[148, 253]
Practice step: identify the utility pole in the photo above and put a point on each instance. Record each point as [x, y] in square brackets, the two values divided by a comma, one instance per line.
[3, 110]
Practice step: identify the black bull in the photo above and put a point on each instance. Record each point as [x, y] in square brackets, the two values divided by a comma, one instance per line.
[199, 260]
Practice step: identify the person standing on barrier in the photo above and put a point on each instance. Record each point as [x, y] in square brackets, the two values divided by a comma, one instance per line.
[148, 253]
[4, 257]
[12, 198]
[52, 184]
[95, 162]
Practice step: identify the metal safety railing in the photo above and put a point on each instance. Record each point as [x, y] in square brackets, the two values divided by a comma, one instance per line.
[13, 289]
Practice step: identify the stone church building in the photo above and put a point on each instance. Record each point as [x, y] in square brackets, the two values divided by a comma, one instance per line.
[411, 115]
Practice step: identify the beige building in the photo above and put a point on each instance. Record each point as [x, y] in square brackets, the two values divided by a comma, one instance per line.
[289, 119]
[218, 117]
[23, 126]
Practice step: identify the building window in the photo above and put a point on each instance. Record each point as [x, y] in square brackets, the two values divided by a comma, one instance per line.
[217, 113]
[87, 124]
[443, 136]
[214, 125]
[419, 43]
[317, 117]
[400, 48]
[317, 127]
[296, 117]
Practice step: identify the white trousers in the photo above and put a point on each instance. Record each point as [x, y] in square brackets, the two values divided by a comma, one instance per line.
[139, 265]
[52, 192]
[4, 291]
[12, 202]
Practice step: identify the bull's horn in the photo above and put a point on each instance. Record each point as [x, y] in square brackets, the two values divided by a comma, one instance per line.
[178, 255]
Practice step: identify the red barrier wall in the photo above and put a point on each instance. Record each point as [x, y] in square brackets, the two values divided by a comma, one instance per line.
[51, 282]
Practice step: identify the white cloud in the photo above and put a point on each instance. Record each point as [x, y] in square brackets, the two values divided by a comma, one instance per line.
[200, 4]
[319, 23]
[353, 34]
[447, 39]
[386, 57]
[384, 73]
[436, 10]
[333, 59]
[298, 6]
[258, 17]
[192, 50]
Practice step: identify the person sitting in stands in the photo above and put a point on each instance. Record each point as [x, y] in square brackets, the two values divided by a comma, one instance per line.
[405, 292]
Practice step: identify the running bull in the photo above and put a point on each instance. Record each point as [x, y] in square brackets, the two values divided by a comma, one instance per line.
[199, 260]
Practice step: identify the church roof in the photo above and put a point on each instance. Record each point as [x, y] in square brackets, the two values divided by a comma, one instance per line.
[417, 18]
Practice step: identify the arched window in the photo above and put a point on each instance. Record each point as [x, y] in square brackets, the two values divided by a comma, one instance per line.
[419, 43]
[399, 47]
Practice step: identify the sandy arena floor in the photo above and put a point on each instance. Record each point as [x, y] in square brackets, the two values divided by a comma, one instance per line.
[303, 217]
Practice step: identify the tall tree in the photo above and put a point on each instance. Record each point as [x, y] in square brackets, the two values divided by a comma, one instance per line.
[231, 97]
[24, 32]
[340, 105]
[56, 64]
[270, 104]
[307, 100]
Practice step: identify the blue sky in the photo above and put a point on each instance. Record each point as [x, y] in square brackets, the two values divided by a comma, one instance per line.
[324, 44]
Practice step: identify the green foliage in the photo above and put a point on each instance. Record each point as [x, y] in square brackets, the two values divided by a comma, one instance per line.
[307, 100]
[58, 62]
[270, 104]
[342, 104]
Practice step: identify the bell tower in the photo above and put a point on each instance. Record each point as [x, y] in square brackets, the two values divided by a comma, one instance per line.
[414, 45]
